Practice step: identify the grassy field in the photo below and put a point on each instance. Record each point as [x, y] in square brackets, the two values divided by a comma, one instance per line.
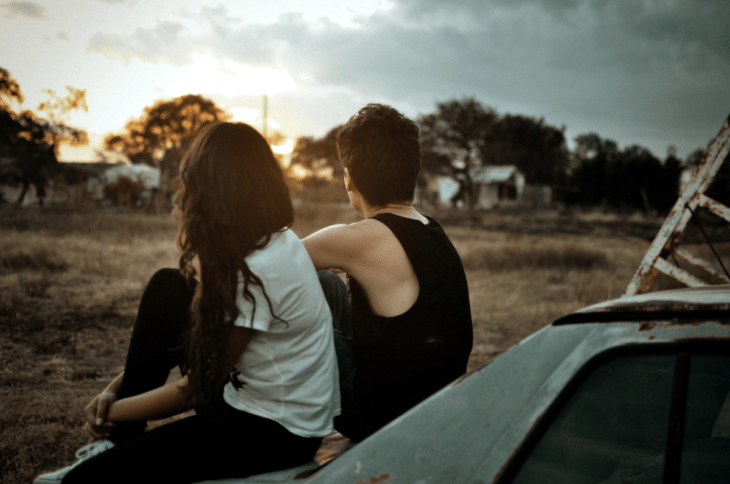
[70, 283]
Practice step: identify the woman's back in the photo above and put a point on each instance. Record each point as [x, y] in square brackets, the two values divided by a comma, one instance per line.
[288, 372]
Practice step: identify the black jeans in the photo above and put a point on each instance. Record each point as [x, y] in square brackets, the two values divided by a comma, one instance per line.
[217, 442]
[350, 422]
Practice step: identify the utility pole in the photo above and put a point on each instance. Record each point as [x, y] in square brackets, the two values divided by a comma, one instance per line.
[266, 114]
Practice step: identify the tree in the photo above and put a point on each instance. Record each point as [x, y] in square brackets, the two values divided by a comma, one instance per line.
[672, 168]
[453, 140]
[31, 142]
[319, 156]
[57, 109]
[632, 178]
[591, 158]
[638, 180]
[168, 124]
[719, 188]
[9, 91]
[537, 149]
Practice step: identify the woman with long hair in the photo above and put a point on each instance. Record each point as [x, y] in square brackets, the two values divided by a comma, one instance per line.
[246, 321]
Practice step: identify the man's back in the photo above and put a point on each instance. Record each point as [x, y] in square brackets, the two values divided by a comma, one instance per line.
[404, 358]
[411, 330]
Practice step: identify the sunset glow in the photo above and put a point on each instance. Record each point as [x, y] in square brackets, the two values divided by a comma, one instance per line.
[654, 83]
[284, 148]
[208, 74]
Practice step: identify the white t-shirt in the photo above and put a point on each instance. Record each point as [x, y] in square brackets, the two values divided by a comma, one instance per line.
[288, 371]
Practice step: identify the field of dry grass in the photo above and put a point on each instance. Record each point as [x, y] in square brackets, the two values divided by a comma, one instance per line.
[70, 283]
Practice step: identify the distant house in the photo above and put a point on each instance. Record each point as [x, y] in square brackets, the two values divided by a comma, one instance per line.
[493, 186]
[79, 163]
[99, 168]
[87, 165]
[435, 190]
[497, 185]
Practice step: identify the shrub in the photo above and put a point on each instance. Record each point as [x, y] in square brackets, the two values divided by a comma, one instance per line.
[504, 259]
[124, 192]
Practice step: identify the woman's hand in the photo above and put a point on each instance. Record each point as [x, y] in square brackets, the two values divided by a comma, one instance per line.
[95, 412]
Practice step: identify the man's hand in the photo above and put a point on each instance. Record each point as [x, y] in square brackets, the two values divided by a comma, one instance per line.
[95, 412]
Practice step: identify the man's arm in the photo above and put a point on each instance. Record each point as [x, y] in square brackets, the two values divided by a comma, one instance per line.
[336, 246]
[174, 398]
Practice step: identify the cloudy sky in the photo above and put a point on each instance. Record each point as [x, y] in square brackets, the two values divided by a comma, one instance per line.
[648, 72]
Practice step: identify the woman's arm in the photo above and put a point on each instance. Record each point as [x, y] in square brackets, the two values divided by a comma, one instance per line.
[174, 398]
[95, 412]
[162, 402]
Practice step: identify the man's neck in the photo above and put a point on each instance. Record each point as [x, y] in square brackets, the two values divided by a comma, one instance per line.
[405, 210]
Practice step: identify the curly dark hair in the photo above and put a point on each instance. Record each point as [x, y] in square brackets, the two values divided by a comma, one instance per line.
[231, 199]
[379, 146]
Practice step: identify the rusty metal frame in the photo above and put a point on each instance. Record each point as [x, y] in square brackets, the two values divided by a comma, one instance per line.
[665, 243]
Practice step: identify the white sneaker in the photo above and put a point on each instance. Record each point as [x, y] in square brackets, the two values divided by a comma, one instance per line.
[89, 450]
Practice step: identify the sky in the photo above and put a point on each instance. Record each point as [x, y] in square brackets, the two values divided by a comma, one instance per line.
[649, 72]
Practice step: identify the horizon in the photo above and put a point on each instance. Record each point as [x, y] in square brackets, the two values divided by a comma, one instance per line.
[637, 73]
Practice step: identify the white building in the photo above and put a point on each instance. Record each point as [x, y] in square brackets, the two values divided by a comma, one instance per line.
[497, 185]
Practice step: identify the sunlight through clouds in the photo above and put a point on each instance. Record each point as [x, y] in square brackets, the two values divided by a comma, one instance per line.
[284, 148]
[207, 74]
[645, 72]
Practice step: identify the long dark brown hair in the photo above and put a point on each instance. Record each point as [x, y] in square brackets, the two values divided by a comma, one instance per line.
[231, 199]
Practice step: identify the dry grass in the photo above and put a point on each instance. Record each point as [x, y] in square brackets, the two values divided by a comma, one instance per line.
[70, 283]
[518, 283]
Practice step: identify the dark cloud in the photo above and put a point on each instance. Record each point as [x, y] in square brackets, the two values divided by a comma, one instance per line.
[632, 68]
[23, 9]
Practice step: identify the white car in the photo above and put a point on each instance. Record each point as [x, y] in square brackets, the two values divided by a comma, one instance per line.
[634, 390]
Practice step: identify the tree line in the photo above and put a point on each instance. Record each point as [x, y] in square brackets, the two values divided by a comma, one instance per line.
[461, 135]
[29, 140]
[458, 137]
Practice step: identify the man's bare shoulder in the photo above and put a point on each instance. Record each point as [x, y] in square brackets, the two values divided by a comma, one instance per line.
[341, 246]
[354, 231]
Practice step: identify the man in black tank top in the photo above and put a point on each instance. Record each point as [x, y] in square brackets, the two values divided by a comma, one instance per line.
[407, 330]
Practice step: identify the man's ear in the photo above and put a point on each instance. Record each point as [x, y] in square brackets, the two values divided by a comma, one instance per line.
[348, 180]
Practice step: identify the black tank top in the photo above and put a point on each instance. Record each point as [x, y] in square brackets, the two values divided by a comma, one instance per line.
[402, 360]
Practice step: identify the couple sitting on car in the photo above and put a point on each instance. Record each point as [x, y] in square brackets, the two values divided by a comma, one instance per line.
[261, 336]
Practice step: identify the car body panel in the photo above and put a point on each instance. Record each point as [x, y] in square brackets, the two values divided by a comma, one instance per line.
[470, 430]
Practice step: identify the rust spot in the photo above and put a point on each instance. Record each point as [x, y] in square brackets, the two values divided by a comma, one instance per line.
[649, 325]
[651, 338]
[702, 339]
[384, 477]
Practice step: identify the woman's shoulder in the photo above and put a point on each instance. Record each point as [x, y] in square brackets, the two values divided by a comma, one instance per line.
[283, 245]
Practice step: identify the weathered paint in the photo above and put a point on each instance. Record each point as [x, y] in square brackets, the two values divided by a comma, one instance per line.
[709, 298]
[384, 477]
[715, 207]
[678, 274]
[666, 240]
[702, 264]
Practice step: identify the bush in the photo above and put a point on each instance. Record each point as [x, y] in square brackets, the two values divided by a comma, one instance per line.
[506, 259]
[124, 192]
